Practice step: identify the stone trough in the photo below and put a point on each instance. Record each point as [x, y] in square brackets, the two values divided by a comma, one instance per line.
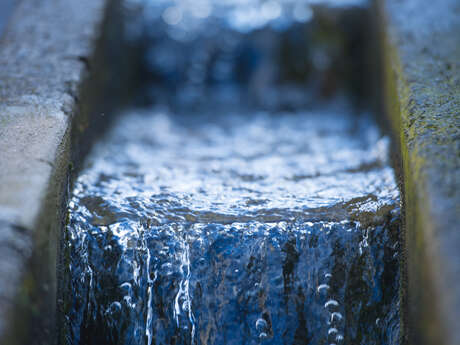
[64, 64]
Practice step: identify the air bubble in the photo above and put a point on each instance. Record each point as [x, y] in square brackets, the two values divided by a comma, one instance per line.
[331, 302]
[322, 287]
[335, 316]
[261, 324]
[332, 331]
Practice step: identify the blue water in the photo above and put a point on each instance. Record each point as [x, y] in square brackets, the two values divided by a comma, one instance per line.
[236, 229]
[250, 204]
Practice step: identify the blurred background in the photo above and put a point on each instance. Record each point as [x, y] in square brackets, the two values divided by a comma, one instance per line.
[269, 54]
[6, 7]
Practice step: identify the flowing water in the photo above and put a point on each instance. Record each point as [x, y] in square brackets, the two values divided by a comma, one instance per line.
[235, 224]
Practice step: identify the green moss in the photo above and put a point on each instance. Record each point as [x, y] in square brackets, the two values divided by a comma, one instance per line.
[425, 116]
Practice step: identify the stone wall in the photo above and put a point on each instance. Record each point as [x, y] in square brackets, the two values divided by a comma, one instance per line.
[63, 71]
[421, 48]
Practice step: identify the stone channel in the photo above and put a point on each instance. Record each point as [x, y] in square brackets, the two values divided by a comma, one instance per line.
[252, 202]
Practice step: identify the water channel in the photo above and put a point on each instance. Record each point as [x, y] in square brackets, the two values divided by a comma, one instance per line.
[237, 208]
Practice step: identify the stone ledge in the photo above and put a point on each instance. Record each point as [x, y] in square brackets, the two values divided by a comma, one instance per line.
[421, 45]
[43, 54]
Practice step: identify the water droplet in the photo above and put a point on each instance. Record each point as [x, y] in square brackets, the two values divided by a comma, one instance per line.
[126, 286]
[323, 287]
[335, 316]
[263, 335]
[172, 15]
[331, 302]
[302, 12]
[332, 331]
[270, 10]
[114, 309]
[185, 306]
[261, 324]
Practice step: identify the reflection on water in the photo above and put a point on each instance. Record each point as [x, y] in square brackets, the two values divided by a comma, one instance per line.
[237, 229]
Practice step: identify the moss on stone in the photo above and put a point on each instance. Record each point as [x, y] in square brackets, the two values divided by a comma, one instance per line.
[422, 100]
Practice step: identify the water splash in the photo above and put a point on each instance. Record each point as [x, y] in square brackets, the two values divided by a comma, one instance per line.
[241, 208]
[235, 228]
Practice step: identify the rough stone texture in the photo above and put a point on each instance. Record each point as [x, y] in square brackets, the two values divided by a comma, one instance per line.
[422, 80]
[43, 61]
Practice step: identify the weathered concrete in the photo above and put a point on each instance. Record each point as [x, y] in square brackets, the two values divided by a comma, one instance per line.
[43, 58]
[421, 44]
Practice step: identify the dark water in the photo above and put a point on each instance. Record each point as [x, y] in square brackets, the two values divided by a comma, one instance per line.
[214, 221]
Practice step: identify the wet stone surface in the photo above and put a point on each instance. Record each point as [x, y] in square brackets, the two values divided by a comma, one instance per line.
[240, 228]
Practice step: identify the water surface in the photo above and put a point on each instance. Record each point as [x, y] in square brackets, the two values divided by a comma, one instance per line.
[251, 204]
[235, 228]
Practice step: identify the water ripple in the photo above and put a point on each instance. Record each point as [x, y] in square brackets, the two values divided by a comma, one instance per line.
[237, 229]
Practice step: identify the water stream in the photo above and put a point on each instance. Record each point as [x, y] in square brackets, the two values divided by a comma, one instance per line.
[222, 222]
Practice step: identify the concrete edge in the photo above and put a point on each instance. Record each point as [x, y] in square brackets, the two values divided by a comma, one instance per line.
[422, 100]
[29, 236]
[57, 60]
